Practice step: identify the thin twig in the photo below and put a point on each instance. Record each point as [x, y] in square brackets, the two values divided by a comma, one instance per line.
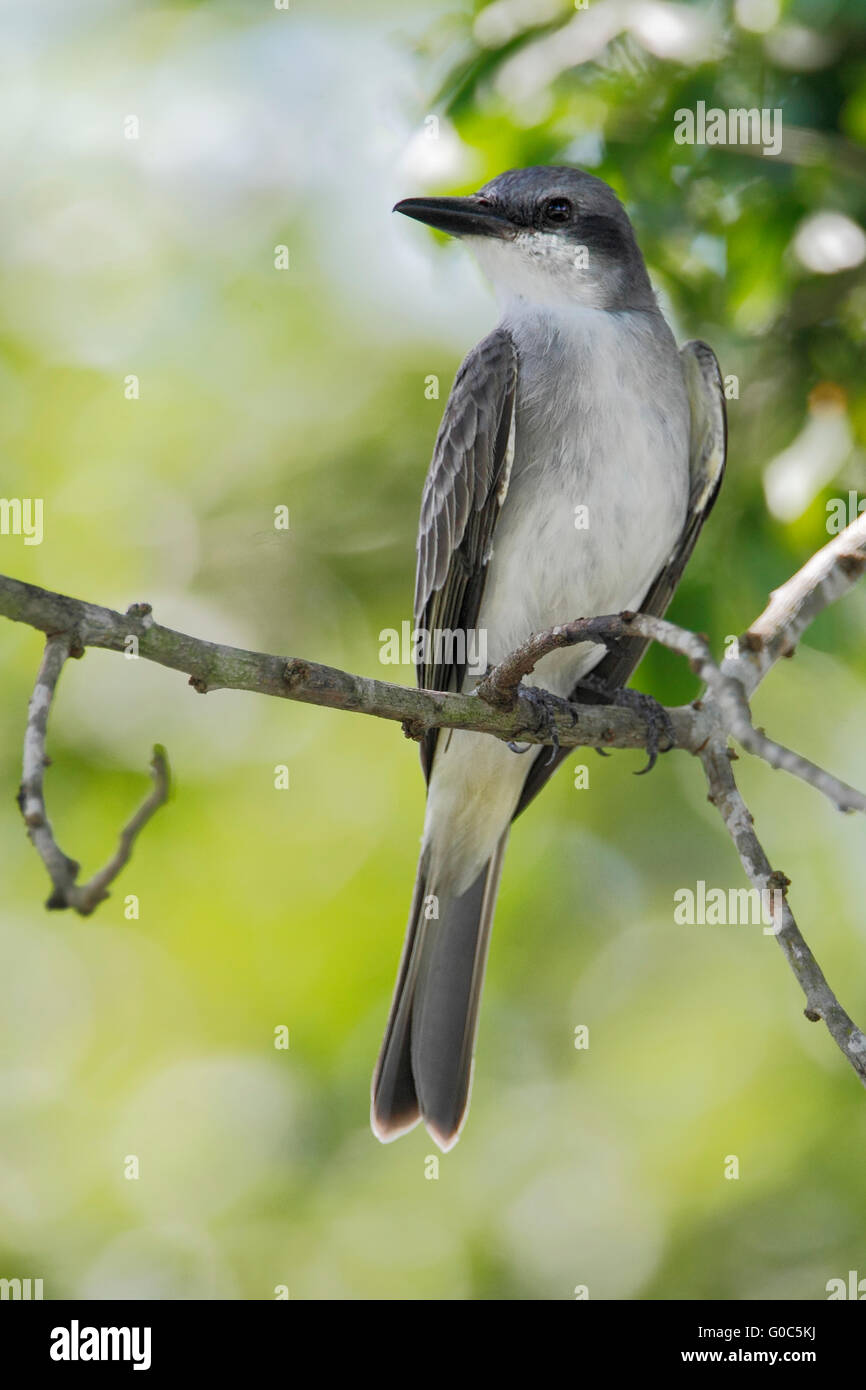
[31, 795]
[821, 1002]
[95, 891]
[826, 577]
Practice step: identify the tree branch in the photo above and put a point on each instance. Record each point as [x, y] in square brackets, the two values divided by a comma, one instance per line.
[212, 666]
[498, 707]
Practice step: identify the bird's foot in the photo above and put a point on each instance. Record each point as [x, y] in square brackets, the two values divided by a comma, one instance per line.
[548, 706]
[657, 719]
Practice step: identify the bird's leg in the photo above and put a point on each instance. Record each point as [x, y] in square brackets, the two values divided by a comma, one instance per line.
[548, 707]
[655, 715]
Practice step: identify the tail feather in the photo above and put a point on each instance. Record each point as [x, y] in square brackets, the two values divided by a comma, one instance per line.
[394, 1108]
[425, 1066]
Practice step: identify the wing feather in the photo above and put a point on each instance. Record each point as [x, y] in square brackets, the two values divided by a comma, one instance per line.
[462, 498]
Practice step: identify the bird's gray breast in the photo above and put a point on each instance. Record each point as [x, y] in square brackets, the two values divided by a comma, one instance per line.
[599, 481]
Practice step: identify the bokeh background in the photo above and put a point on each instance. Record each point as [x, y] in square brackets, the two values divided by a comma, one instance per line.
[146, 247]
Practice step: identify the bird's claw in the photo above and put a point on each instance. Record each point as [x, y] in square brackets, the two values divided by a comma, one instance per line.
[548, 706]
[658, 721]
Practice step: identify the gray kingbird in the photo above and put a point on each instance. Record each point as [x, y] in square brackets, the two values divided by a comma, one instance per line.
[577, 405]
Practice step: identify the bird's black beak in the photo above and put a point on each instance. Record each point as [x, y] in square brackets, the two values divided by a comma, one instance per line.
[472, 216]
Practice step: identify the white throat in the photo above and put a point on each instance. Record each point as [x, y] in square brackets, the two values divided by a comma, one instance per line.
[541, 268]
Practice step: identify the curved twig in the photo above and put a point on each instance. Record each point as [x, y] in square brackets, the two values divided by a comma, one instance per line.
[62, 870]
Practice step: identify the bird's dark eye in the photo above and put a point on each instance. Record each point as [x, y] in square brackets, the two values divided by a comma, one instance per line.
[557, 210]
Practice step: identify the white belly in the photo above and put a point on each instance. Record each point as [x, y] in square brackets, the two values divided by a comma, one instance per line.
[596, 502]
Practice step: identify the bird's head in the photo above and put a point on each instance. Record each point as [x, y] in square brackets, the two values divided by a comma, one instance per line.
[547, 236]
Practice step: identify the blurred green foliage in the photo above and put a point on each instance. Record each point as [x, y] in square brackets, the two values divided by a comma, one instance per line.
[155, 257]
